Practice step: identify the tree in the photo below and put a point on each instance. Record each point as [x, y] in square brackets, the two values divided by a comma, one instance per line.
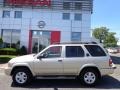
[100, 33]
[110, 40]
[1, 42]
[105, 37]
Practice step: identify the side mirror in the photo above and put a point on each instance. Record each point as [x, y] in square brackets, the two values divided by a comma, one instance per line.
[41, 56]
[44, 55]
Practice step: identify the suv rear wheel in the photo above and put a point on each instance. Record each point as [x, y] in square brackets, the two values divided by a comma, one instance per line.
[89, 77]
[21, 76]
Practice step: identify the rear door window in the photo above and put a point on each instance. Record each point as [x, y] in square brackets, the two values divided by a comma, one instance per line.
[95, 50]
[74, 51]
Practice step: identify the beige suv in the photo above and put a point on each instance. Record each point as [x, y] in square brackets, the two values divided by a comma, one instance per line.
[86, 61]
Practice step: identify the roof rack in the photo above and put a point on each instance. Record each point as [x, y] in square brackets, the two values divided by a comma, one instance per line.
[75, 43]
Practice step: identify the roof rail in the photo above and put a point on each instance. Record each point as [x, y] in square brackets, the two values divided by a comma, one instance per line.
[75, 43]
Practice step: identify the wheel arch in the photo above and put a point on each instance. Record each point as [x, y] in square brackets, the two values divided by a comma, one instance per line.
[94, 67]
[25, 66]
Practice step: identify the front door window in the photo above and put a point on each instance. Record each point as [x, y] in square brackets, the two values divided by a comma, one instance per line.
[53, 52]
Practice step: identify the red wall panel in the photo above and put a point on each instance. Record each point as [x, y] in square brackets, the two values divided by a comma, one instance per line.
[29, 2]
[30, 42]
[55, 37]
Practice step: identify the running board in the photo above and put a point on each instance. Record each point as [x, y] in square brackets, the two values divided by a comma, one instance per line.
[55, 77]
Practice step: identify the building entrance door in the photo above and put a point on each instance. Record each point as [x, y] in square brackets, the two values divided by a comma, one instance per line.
[39, 43]
[40, 39]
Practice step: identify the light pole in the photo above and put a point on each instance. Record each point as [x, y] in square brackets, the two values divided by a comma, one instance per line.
[71, 25]
[101, 37]
[11, 38]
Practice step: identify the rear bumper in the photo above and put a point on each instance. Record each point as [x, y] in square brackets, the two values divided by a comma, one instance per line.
[107, 71]
[114, 67]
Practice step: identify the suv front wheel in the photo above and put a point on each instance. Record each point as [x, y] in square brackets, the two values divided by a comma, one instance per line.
[21, 76]
[89, 77]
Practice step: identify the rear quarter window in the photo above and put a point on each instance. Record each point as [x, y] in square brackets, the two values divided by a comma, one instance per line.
[95, 50]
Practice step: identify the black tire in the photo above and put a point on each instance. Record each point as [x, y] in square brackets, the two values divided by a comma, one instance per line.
[93, 79]
[23, 71]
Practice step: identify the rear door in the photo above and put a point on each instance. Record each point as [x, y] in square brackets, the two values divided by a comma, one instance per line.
[74, 55]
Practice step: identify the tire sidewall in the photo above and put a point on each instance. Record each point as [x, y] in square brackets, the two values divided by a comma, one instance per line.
[83, 74]
[21, 70]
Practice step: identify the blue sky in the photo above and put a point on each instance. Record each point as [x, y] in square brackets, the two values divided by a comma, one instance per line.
[107, 13]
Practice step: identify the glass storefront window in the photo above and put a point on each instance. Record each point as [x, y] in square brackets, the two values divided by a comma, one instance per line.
[7, 36]
[34, 33]
[15, 36]
[47, 34]
[41, 33]
[40, 40]
[10, 37]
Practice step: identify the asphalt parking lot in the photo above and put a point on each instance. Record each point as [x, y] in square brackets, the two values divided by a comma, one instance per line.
[107, 82]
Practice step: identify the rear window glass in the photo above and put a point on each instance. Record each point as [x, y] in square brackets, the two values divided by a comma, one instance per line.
[95, 50]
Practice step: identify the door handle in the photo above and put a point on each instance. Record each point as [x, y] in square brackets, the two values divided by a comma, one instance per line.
[59, 60]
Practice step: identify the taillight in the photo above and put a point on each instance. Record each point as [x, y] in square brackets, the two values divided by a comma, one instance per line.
[110, 62]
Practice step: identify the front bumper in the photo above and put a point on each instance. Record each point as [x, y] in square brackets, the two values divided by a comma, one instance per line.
[8, 71]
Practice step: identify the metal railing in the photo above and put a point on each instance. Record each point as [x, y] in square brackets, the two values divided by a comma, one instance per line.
[84, 5]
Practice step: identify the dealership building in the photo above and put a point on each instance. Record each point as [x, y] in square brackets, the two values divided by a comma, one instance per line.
[36, 23]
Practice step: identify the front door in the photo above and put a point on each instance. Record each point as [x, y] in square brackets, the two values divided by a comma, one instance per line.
[50, 63]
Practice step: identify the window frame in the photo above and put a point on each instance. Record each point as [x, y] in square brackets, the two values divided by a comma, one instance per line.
[73, 39]
[78, 6]
[64, 16]
[77, 18]
[16, 13]
[6, 12]
[66, 5]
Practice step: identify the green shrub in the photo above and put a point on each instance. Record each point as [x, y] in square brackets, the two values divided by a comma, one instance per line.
[8, 51]
[1, 42]
[23, 50]
[5, 58]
